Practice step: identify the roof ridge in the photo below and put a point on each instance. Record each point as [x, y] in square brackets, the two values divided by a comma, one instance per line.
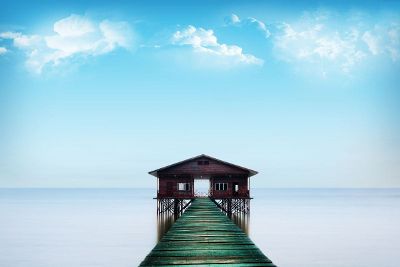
[154, 172]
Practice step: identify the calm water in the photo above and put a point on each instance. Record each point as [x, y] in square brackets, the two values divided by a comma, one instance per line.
[118, 227]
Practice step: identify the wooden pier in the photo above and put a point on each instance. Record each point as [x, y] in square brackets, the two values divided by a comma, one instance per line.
[205, 236]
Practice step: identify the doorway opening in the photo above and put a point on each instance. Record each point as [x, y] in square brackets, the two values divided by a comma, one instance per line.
[201, 187]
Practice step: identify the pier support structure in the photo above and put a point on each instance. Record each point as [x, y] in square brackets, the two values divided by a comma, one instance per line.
[230, 206]
[233, 205]
[174, 206]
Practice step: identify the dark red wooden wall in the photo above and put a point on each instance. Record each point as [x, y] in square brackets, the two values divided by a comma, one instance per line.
[216, 171]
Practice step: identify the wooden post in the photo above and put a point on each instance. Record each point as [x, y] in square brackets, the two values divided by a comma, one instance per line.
[229, 209]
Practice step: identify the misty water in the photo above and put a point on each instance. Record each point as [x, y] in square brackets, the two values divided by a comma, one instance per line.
[118, 227]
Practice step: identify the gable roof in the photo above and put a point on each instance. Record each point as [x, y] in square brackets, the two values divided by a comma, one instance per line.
[251, 172]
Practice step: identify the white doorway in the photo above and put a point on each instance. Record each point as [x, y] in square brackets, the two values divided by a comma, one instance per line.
[201, 187]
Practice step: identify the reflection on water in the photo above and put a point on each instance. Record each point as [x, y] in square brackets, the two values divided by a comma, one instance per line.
[243, 221]
[166, 219]
[164, 222]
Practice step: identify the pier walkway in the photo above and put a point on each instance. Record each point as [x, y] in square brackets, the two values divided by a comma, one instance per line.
[204, 236]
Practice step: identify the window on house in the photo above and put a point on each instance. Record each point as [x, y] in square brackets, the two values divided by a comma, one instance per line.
[203, 162]
[183, 186]
[221, 186]
[236, 188]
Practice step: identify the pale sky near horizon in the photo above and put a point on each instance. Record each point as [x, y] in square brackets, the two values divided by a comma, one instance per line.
[96, 94]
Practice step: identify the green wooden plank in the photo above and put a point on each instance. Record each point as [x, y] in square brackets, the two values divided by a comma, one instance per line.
[208, 253]
[205, 247]
[204, 236]
[219, 265]
[205, 260]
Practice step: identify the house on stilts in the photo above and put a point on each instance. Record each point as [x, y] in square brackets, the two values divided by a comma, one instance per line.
[229, 184]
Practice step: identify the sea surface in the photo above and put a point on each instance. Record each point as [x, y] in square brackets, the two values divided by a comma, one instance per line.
[118, 227]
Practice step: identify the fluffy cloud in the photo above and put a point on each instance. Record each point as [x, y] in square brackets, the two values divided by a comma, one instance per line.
[205, 42]
[384, 40]
[74, 26]
[74, 36]
[21, 41]
[372, 42]
[3, 50]
[319, 40]
[234, 20]
[314, 43]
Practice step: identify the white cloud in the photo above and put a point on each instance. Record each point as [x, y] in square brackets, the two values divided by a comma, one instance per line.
[205, 42]
[333, 41]
[9, 35]
[116, 34]
[372, 42]
[314, 43]
[74, 35]
[74, 26]
[234, 19]
[393, 46]
[250, 21]
[3, 50]
[195, 37]
[384, 40]
[20, 40]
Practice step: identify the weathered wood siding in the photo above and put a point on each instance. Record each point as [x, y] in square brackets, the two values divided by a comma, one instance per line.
[241, 181]
[212, 168]
[168, 187]
[203, 168]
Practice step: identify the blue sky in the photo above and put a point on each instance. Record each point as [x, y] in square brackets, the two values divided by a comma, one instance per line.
[97, 94]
